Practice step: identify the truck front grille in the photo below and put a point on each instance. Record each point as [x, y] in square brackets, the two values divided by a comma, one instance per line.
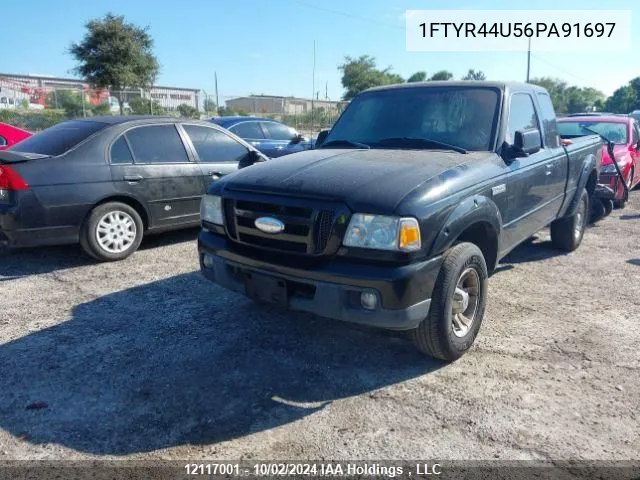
[307, 229]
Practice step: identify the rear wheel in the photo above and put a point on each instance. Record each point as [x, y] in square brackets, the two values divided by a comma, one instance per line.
[457, 305]
[112, 232]
[567, 232]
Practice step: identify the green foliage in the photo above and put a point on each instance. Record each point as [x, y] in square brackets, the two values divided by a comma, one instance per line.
[33, 120]
[101, 109]
[417, 77]
[242, 113]
[473, 75]
[570, 99]
[115, 55]
[188, 111]
[68, 100]
[361, 73]
[225, 112]
[145, 106]
[441, 75]
[209, 105]
[625, 99]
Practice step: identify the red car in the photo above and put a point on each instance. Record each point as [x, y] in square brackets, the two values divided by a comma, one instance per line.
[624, 131]
[10, 135]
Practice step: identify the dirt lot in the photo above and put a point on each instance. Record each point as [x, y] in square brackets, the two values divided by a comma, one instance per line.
[144, 358]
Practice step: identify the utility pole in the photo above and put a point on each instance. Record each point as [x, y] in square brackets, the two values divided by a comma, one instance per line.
[215, 76]
[313, 91]
[326, 90]
[529, 60]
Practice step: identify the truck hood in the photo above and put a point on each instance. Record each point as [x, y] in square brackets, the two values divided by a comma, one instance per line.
[366, 180]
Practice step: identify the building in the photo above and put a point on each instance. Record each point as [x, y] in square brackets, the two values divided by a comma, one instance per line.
[36, 88]
[274, 105]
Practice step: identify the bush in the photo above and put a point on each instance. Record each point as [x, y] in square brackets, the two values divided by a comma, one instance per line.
[144, 106]
[188, 111]
[33, 120]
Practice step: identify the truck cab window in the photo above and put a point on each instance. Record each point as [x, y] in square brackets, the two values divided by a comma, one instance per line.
[522, 115]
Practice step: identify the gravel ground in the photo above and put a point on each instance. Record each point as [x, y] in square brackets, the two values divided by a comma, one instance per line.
[145, 359]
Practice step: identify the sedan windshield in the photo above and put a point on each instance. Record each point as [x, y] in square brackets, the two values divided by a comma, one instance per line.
[448, 118]
[58, 139]
[616, 132]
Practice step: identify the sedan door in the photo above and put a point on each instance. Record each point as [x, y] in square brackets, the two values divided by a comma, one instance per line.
[151, 164]
[217, 153]
[635, 151]
[281, 140]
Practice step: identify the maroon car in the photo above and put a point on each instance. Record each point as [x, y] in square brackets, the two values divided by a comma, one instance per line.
[625, 133]
[10, 135]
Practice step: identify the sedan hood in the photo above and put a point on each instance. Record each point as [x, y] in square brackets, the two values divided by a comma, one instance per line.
[366, 180]
[619, 151]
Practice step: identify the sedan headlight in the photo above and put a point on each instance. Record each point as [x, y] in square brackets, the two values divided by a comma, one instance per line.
[211, 209]
[383, 232]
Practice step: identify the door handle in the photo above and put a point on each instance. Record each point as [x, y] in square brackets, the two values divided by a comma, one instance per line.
[132, 178]
[215, 175]
[549, 168]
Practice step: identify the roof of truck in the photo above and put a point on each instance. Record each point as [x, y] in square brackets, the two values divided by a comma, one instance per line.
[462, 83]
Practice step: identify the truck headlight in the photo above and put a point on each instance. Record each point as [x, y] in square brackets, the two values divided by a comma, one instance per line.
[383, 232]
[211, 209]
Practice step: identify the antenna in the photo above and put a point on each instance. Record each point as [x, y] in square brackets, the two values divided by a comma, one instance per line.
[529, 60]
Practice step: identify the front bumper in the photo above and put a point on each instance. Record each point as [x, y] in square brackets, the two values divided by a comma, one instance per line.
[332, 290]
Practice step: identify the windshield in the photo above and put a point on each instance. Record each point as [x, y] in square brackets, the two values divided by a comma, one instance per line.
[58, 139]
[463, 117]
[616, 132]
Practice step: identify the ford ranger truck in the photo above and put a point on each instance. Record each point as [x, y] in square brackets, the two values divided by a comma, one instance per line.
[398, 217]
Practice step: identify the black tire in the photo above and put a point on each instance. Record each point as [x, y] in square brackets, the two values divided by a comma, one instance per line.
[89, 233]
[598, 209]
[436, 335]
[608, 207]
[567, 232]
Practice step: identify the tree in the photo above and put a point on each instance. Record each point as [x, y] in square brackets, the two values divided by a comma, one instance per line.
[473, 75]
[570, 99]
[209, 105]
[417, 77]
[188, 111]
[623, 100]
[115, 55]
[441, 75]
[361, 73]
[101, 109]
[68, 100]
[145, 106]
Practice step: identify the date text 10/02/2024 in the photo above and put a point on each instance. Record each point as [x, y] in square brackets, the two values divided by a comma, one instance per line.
[311, 469]
[516, 30]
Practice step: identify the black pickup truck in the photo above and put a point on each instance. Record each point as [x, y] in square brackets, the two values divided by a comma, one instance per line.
[401, 213]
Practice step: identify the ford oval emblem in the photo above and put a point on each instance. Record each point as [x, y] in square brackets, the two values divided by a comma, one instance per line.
[269, 224]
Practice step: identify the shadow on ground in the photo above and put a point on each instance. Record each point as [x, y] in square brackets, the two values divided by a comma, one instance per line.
[33, 261]
[179, 362]
[532, 250]
[634, 261]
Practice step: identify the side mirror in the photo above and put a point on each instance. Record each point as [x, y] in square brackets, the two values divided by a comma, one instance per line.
[525, 142]
[321, 138]
[253, 156]
[298, 138]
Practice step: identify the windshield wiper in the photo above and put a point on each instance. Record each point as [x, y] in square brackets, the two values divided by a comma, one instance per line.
[345, 142]
[419, 142]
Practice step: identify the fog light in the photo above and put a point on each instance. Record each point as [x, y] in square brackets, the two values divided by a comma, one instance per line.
[207, 261]
[368, 300]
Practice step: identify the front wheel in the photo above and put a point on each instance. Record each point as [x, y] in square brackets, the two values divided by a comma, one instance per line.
[457, 305]
[112, 232]
[567, 232]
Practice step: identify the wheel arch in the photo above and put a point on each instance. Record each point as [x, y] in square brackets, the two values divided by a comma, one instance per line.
[127, 200]
[476, 220]
[588, 179]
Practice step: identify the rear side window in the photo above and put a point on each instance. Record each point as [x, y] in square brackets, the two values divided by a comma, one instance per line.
[277, 131]
[3, 141]
[120, 152]
[214, 146]
[60, 138]
[549, 123]
[635, 133]
[247, 130]
[157, 144]
[522, 115]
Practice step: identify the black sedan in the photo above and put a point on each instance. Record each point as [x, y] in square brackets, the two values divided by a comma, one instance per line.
[106, 181]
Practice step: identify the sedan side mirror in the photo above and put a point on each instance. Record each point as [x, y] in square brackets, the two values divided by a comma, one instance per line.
[321, 138]
[525, 142]
[298, 138]
[253, 156]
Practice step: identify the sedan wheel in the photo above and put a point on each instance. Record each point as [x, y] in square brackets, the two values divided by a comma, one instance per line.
[116, 232]
[113, 231]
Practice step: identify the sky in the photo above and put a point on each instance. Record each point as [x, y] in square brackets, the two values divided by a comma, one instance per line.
[267, 46]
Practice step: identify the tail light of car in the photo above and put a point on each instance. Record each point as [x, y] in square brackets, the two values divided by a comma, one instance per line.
[10, 181]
